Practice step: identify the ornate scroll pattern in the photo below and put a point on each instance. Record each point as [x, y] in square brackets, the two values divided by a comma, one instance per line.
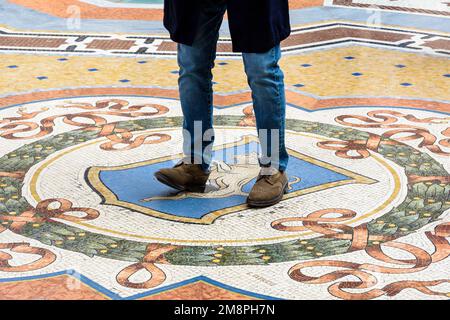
[46, 257]
[124, 137]
[424, 202]
[249, 119]
[361, 240]
[155, 254]
[23, 115]
[361, 147]
[318, 222]
[93, 121]
[15, 175]
[388, 119]
[16, 223]
[44, 212]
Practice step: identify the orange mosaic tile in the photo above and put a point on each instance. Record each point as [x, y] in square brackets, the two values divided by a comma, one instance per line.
[54, 288]
[31, 42]
[90, 11]
[294, 98]
[111, 44]
[341, 33]
[441, 44]
[198, 291]
[299, 4]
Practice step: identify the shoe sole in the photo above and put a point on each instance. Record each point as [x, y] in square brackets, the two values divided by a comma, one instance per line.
[267, 203]
[165, 180]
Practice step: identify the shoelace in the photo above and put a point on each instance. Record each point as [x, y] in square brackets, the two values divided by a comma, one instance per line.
[182, 163]
[263, 176]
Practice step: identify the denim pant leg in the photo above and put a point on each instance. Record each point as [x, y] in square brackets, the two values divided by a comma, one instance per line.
[195, 85]
[266, 80]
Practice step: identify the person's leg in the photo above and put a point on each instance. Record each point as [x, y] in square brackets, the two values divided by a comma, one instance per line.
[266, 80]
[195, 84]
[269, 103]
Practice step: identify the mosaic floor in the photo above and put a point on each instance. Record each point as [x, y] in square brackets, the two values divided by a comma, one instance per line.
[89, 110]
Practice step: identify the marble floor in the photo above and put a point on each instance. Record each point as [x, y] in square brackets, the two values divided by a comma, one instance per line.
[89, 110]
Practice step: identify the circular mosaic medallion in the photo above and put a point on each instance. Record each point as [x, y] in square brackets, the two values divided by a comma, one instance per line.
[92, 190]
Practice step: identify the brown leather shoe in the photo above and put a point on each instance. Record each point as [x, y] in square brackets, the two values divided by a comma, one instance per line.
[184, 177]
[268, 189]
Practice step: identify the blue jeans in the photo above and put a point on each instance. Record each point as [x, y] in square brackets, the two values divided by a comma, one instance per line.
[265, 79]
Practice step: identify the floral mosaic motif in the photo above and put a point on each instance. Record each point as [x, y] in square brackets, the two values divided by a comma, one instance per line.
[365, 272]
